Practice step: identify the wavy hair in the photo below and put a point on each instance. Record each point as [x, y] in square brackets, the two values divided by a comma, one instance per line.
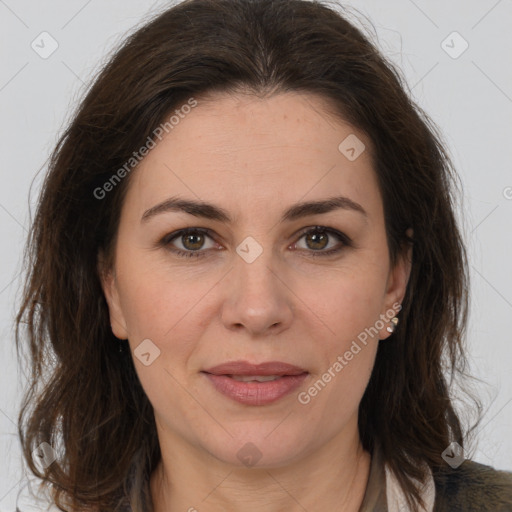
[83, 395]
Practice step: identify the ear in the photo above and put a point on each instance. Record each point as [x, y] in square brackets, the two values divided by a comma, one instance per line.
[109, 285]
[397, 285]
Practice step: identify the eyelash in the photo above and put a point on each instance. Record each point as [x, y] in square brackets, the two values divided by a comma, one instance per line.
[166, 241]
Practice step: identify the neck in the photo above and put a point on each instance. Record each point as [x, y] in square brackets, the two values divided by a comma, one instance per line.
[333, 477]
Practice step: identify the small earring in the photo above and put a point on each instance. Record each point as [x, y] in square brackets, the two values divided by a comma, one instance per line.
[392, 327]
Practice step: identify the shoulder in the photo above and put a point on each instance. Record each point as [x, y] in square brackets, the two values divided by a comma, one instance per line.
[473, 487]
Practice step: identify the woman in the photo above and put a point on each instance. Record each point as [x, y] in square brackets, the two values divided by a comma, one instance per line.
[246, 280]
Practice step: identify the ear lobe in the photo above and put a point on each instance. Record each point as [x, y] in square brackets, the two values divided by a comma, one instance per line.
[110, 290]
[398, 279]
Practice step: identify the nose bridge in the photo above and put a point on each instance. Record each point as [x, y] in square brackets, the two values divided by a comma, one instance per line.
[257, 298]
[254, 269]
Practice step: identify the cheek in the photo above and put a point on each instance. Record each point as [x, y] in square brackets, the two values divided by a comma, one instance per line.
[161, 306]
[156, 310]
[349, 306]
[350, 301]
[347, 385]
[348, 357]
[151, 298]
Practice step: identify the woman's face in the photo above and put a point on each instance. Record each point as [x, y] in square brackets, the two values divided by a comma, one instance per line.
[252, 282]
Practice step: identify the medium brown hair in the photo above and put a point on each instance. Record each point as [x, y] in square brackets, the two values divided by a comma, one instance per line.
[84, 395]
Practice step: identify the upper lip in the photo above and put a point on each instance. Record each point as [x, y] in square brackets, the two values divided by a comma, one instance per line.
[246, 368]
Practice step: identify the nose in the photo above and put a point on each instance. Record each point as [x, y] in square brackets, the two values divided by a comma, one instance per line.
[258, 298]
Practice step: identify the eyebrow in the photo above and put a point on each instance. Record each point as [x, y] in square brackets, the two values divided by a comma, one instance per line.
[213, 212]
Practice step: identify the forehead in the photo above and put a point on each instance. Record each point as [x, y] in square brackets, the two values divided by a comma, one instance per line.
[234, 123]
[245, 149]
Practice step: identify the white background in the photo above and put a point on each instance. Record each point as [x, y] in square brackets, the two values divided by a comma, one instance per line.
[469, 97]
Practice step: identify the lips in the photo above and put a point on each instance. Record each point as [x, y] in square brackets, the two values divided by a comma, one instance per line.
[263, 369]
[255, 384]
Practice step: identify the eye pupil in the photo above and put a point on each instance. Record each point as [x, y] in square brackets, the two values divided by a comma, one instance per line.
[197, 241]
[319, 240]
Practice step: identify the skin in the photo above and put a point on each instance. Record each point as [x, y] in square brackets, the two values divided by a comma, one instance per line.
[254, 158]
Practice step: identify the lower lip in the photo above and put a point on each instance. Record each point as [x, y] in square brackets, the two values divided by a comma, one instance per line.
[256, 393]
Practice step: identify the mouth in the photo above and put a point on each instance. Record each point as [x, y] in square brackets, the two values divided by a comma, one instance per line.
[255, 378]
[255, 384]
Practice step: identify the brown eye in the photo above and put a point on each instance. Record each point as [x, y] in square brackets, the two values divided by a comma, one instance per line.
[317, 240]
[188, 242]
[192, 241]
[320, 238]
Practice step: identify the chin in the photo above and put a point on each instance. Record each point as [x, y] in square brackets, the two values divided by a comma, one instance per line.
[260, 448]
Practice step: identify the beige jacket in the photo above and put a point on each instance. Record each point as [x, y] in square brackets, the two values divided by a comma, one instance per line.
[471, 487]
